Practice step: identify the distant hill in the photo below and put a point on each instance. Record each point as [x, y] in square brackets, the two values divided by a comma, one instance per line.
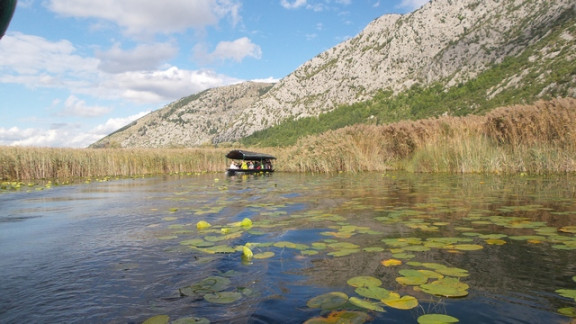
[449, 57]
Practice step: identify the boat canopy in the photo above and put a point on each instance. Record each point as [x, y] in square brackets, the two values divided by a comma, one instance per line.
[249, 156]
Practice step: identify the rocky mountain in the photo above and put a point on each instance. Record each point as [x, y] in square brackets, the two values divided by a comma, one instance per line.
[448, 41]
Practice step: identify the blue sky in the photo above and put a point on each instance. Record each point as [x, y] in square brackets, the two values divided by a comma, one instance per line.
[73, 71]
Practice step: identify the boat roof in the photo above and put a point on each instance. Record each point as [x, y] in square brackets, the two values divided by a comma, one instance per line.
[247, 155]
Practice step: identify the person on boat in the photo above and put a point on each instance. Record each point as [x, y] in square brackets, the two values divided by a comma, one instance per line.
[244, 166]
[250, 165]
[233, 165]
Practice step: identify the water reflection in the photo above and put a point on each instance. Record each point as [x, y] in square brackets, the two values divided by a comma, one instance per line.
[119, 251]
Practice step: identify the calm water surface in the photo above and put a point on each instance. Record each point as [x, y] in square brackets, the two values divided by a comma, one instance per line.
[123, 251]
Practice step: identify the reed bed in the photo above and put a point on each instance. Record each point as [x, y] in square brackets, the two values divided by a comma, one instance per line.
[538, 138]
[30, 163]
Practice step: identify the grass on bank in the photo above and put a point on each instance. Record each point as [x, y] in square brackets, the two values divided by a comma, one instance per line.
[538, 138]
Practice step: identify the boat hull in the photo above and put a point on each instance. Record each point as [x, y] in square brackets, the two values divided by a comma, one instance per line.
[246, 171]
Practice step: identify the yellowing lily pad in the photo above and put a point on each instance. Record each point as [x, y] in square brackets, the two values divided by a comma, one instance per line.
[264, 255]
[202, 225]
[495, 241]
[158, 319]
[405, 302]
[366, 304]
[568, 229]
[364, 281]
[437, 319]
[331, 300]
[391, 262]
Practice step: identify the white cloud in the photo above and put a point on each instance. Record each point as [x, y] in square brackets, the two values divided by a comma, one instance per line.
[142, 57]
[28, 55]
[149, 17]
[162, 85]
[63, 135]
[292, 5]
[76, 107]
[236, 50]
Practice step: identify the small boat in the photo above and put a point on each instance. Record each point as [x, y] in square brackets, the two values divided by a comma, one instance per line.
[262, 163]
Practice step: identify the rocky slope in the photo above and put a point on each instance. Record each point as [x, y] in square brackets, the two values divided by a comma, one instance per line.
[445, 40]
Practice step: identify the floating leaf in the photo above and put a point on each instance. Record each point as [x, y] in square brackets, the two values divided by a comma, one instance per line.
[158, 319]
[568, 311]
[352, 317]
[436, 319]
[446, 287]
[364, 281]
[453, 272]
[207, 285]
[495, 241]
[202, 225]
[391, 262]
[467, 247]
[331, 300]
[377, 293]
[264, 255]
[568, 229]
[569, 293]
[405, 302]
[223, 297]
[246, 222]
[366, 304]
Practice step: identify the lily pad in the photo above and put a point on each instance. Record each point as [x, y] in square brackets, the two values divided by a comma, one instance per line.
[264, 255]
[377, 293]
[364, 281]
[192, 320]
[366, 304]
[453, 272]
[569, 293]
[352, 317]
[208, 285]
[446, 287]
[331, 300]
[158, 319]
[223, 297]
[405, 302]
[391, 262]
[437, 319]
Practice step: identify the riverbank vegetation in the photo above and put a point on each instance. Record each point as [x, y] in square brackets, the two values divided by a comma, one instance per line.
[538, 138]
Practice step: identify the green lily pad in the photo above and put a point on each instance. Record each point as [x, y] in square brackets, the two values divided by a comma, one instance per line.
[205, 286]
[569, 293]
[331, 300]
[446, 287]
[468, 247]
[373, 292]
[223, 297]
[453, 272]
[158, 319]
[352, 317]
[437, 319]
[366, 304]
[364, 281]
[568, 311]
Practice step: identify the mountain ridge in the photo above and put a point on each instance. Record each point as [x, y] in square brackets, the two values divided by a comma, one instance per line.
[444, 41]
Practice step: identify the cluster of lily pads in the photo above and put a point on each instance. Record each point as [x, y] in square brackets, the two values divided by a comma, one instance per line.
[474, 232]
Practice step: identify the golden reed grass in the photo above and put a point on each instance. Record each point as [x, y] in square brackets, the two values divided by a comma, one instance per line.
[538, 138]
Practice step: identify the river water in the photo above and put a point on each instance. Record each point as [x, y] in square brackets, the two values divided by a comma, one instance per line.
[128, 250]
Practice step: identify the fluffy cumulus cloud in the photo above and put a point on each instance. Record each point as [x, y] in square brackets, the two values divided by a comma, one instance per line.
[235, 50]
[63, 135]
[76, 107]
[142, 57]
[141, 17]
